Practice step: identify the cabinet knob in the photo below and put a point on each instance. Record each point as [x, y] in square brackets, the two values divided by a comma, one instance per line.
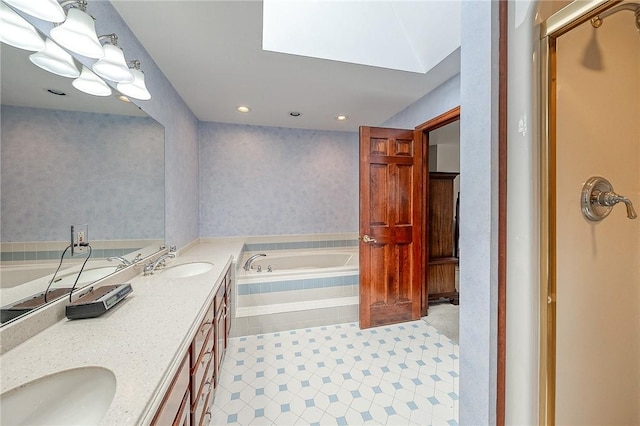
[206, 358]
[205, 391]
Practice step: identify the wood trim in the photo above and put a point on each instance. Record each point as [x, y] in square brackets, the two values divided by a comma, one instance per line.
[502, 212]
[441, 120]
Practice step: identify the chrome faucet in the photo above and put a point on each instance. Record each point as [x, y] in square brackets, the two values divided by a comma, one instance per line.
[247, 264]
[123, 262]
[160, 262]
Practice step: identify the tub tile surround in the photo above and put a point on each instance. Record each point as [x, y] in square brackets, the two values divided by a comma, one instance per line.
[14, 253]
[266, 303]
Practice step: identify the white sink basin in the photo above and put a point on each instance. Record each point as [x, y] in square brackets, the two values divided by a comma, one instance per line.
[80, 396]
[187, 270]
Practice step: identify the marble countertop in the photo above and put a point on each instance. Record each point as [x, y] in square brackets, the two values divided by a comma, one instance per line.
[142, 340]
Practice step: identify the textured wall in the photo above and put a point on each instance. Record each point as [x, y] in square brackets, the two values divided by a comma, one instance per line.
[479, 212]
[181, 130]
[443, 98]
[258, 180]
[61, 168]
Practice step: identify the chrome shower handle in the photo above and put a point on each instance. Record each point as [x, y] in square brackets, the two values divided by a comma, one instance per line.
[598, 199]
[610, 199]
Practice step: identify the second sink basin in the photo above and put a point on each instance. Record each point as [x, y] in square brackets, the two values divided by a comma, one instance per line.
[80, 396]
[187, 270]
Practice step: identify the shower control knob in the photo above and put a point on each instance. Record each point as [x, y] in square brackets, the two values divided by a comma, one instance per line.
[598, 199]
[610, 199]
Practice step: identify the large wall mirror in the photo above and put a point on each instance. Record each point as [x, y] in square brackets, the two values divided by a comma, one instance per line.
[69, 158]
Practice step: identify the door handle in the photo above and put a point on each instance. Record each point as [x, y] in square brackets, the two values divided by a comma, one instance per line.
[368, 239]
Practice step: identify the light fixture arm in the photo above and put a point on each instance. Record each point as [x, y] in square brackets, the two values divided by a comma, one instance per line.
[80, 4]
[112, 38]
[135, 64]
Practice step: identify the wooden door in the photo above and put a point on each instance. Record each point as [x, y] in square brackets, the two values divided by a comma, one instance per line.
[391, 179]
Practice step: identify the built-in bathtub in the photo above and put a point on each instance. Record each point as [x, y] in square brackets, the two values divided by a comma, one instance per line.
[297, 288]
[308, 262]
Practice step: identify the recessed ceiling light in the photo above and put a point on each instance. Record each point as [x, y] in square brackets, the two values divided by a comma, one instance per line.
[56, 92]
[295, 114]
[341, 117]
[123, 98]
[243, 109]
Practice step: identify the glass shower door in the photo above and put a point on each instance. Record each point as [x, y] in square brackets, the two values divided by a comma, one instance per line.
[597, 276]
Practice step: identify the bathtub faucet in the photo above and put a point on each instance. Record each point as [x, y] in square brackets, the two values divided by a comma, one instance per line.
[247, 264]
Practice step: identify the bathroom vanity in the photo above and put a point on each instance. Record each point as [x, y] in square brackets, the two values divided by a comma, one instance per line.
[164, 344]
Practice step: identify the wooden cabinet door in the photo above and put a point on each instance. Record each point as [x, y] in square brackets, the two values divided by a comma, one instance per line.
[391, 179]
[219, 345]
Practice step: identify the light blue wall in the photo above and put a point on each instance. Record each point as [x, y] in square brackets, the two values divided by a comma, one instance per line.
[61, 168]
[479, 212]
[258, 180]
[443, 98]
[180, 124]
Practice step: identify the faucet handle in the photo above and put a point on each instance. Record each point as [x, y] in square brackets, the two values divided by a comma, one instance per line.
[148, 268]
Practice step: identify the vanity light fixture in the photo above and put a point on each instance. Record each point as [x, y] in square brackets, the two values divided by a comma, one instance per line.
[113, 66]
[136, 89]
[55, 59]
[17, 32]
[48, 10]
[341, 118]
[90, 83]
[242, 108]
[78, 32]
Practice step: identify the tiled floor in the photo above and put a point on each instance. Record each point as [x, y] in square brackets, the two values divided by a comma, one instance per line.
[340, 375]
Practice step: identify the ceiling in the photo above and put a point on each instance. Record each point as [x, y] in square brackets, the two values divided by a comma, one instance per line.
[367, 60]
[212, 53]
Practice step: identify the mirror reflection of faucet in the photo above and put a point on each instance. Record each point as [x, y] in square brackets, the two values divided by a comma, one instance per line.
[123, 262]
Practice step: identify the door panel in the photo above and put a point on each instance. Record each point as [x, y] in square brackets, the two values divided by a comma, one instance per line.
[391, 168]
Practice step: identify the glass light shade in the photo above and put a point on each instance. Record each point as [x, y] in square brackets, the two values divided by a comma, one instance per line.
[78, 34]
[48, 10]
[136, 89]
[56, 60]
[113, 66]
[90, 83]
[17, 32]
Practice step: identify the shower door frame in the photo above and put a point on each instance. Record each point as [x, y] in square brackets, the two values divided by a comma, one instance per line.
[563, 21]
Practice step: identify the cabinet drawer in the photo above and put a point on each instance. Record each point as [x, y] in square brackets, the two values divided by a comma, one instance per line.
[203, 332]
[219, 299]
[202, 410]
[169, 410]
[183, 417]
[199, 370]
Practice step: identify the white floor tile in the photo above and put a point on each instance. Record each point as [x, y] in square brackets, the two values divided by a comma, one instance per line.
[340, 375]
